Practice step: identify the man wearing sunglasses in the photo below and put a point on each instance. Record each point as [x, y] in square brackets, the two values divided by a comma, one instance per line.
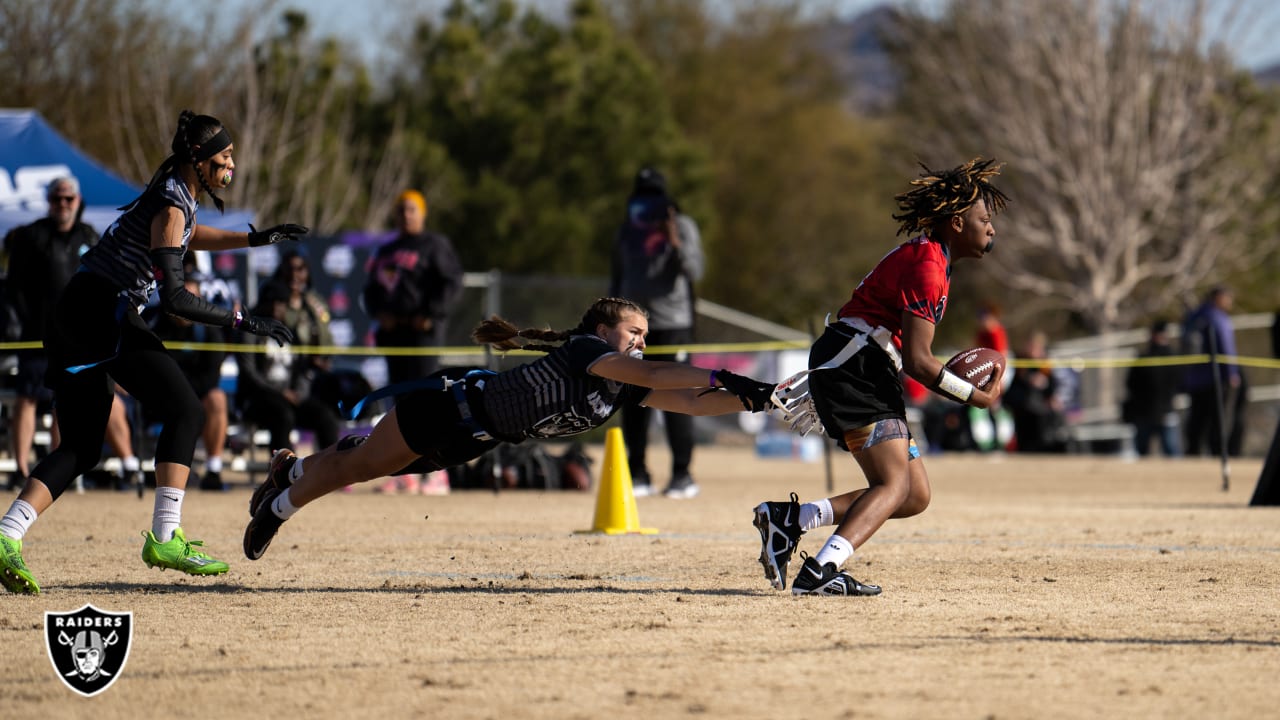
[42, 258]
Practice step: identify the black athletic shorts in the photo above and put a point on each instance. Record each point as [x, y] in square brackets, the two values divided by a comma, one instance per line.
[864, 390]
[433, 427]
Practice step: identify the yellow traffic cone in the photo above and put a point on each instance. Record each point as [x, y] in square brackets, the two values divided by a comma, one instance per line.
[616, 512]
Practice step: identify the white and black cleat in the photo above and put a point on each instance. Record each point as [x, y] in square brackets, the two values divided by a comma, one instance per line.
[815, 579]
[779, 526]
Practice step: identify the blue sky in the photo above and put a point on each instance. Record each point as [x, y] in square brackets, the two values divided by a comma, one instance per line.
[369, 26]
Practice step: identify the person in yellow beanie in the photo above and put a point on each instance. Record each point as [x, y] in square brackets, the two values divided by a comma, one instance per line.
[414, 282]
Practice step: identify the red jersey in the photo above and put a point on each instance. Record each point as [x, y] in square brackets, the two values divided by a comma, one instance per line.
[915, 277]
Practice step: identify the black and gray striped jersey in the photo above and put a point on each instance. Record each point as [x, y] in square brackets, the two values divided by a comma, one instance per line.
[555, 396]
[123, 254]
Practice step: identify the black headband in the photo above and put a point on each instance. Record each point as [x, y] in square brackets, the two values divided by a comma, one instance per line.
[212, 146]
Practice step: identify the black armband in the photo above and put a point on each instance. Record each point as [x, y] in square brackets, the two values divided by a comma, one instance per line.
[175, 299]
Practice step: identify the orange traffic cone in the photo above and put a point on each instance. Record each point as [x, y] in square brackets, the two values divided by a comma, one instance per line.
[616, 512]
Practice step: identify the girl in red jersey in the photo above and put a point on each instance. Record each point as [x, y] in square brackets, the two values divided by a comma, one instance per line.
[887, 326]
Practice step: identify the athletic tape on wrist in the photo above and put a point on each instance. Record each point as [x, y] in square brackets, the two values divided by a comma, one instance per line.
[952, 386]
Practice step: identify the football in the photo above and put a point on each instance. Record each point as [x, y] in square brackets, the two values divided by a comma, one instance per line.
[976, 365]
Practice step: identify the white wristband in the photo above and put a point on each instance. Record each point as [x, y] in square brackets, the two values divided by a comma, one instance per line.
[952, 386]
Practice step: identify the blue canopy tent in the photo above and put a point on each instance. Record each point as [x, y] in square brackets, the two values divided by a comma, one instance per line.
[32, 153]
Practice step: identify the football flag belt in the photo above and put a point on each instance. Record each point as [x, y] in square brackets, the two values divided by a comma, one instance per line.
[457, 387]
[792, 395]
[864, 334]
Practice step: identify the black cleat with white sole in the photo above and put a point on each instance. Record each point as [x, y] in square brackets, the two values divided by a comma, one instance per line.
[779, 526]
[815, 579]
[263, 526]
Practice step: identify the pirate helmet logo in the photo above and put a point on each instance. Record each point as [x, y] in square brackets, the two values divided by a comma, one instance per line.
[88, 647]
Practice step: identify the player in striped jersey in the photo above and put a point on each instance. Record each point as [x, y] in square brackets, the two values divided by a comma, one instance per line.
[97, 336]
[457, 414]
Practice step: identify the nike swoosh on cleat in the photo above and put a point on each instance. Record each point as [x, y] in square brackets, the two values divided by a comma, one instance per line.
[786, 519]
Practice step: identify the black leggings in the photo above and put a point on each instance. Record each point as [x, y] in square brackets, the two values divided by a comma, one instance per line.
[82, 400]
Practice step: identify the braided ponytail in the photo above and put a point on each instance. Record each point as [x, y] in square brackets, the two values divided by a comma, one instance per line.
[502, 335]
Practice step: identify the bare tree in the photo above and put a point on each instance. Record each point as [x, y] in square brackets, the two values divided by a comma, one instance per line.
[115, 87]
[1138, 154]
[297, 105]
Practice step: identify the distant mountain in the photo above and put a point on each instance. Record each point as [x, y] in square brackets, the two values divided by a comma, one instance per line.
[861, 59]
[1268, 75]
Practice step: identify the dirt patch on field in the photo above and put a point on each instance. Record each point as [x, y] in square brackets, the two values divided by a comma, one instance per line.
[1033, 587]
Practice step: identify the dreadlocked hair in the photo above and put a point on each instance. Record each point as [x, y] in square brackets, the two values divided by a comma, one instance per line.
[502, 335]
[937, 196]
[192, 130]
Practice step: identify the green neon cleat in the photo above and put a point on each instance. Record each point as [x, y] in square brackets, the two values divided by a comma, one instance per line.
[13, 570]
[178, 554]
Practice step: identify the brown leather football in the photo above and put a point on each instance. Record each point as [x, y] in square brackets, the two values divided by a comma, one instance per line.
[976, 365]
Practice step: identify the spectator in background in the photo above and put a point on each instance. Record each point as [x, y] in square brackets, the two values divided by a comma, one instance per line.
[274, 388]
[1038, 418]
[305, 312]
[992, 428]
[1207, 329]
[203, 369]
[657, 258]
[42, 258]
[414, 282]
[1149, 391]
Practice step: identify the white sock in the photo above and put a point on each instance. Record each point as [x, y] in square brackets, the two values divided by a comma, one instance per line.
[836, 551]
[18, 520]
[131, 464]
[214, 464]
[282, 506]
[295, 472]
[166, 516]
[816, 514]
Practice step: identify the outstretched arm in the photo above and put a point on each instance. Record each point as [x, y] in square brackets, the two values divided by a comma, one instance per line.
[686, 389]
[656, 374]
[695, 402]
[204, 237]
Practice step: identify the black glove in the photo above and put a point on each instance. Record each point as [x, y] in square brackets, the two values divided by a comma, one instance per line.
[756, 396]
[275, 234]
[270, 327]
